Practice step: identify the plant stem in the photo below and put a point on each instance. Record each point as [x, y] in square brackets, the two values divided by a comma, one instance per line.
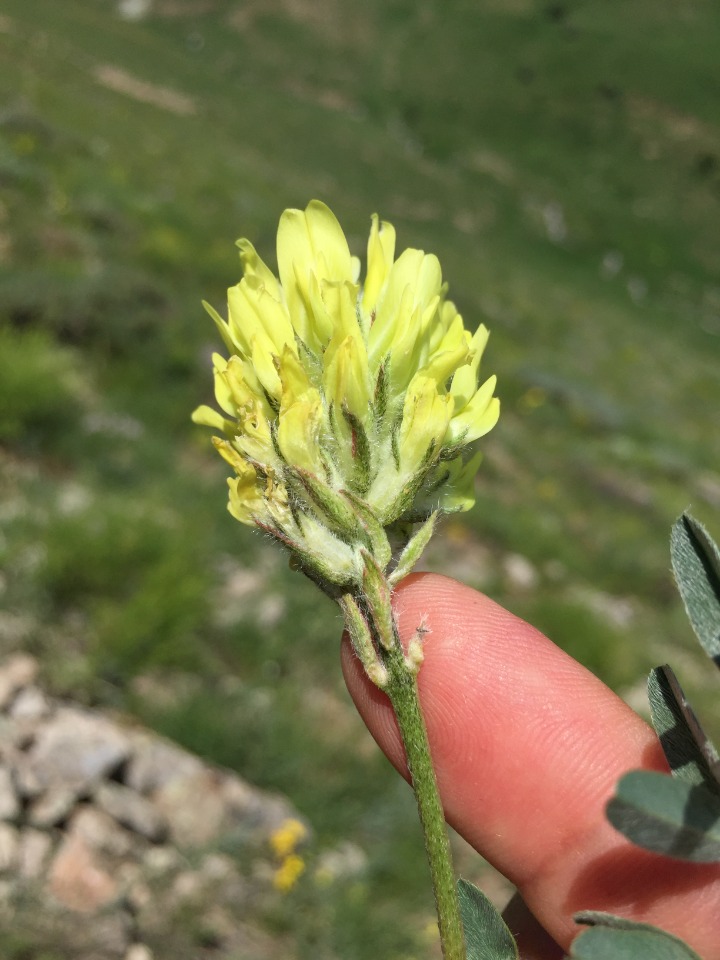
[403, 694]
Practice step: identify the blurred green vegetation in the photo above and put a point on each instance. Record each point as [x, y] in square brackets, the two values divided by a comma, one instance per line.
[562, 159]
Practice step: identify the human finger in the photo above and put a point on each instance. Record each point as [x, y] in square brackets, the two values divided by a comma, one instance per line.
[528, 746]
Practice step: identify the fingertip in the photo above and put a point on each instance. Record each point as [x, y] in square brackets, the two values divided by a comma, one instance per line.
[527, 744]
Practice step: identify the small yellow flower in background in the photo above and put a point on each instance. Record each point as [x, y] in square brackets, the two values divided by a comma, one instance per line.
[347, 408]
[288, 873]
[286, 838]
[284, 841]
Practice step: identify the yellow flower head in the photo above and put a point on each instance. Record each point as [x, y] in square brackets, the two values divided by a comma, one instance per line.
[288, 873]
[288, 835]
[346, 407]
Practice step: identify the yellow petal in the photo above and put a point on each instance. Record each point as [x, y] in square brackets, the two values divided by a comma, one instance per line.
[223, 328]
[339, 300]
[414, 281]
[299, 430]
[254, 438]
[294, 378]
[223, 394]
[245, 500]
[264, 359]
[244, 386]
[253, 266]
[230, 455]
[310, 242]
[380, 254]
[346, 378]
[205, 416]
[478, 416]
[464, 383]
[452, 352]
[251, 308]
[426, 414]
[328, 242]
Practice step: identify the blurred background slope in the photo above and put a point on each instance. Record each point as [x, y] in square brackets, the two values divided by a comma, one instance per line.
[563, 161]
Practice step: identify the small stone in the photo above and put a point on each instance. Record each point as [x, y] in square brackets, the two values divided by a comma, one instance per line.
[138, 895]
[156, 762]
[346, 861]
[188, 885]
[30, 705]
[239, 795]
[9, 848]
[77, 748]
[27, 780]
[17, 672]
[33, 853]
[254, 814]
[219, 927]
[194, 808]
[160, 861]
[216, 867]
[112, 934]
[139, 951]
[52, 807]
[101, 832]
[9, 803]
[77, 880]
[8, 747]
[132, 810]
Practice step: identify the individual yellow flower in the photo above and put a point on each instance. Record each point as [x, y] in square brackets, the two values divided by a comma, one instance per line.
[288, 873]
[288, 835]
[347, 409]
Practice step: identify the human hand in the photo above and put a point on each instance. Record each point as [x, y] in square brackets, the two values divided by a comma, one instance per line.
[528, 746]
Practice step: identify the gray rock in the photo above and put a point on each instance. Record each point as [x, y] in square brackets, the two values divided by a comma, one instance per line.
[254, 814]
[103, 833]
[77, 748]
[52, 807]
[139, 951]
[194, 808]
[113, 934]
[33, 852]
[162, 861]
[30, 705]
[9, 803]
[156, 762]
[77, 879]
[27, 779]
[16, 672]
[9, 848]
[132, 810]
[108, 865]
[8, 747]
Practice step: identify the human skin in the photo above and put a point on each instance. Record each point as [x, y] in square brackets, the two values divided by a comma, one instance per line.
[528, 746]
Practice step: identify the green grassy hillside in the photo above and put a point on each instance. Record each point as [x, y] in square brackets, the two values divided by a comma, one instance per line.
[562, 159]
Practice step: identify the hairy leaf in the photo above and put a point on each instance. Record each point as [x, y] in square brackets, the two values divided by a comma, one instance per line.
[614, 938]
[689, 751]
[667, 815]
[486, 934]
[696, 565]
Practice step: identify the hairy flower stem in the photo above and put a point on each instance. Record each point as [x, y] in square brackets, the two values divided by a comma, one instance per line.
[402, 691]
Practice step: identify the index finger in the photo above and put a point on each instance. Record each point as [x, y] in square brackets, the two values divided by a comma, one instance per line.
[528, 746]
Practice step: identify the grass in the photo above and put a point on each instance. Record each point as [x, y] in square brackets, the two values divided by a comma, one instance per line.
[564, 163]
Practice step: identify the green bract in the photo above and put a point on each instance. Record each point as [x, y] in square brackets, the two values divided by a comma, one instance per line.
[345, 406]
